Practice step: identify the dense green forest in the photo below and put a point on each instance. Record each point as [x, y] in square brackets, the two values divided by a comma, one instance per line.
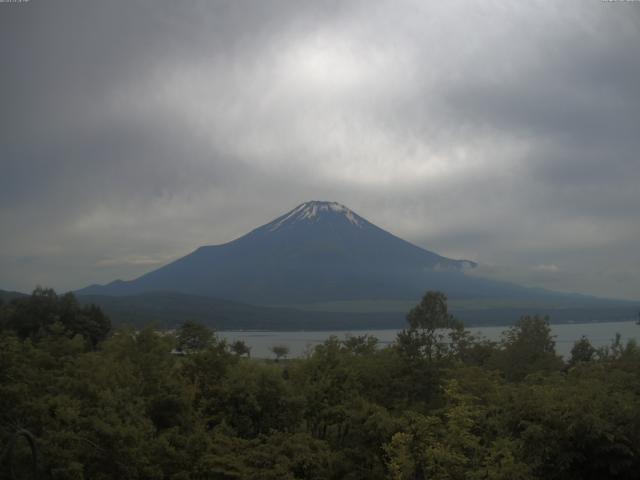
[102, 403]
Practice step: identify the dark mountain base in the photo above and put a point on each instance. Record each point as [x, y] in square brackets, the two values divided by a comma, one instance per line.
[169, 310]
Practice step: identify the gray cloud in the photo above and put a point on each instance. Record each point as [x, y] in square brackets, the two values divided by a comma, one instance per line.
[503, 132]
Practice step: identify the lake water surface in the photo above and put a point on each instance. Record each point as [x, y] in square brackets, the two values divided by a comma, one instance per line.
[599, 334]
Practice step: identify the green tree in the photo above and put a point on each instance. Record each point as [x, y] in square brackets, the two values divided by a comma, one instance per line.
[582, 351]
[88, 321]
[194, 337]
[205, 372]
[240, 348]
[449, 445]
[34, 317]
[360, 345]
[254, 399]
[280, 351]
[427, 323]
[527, 347]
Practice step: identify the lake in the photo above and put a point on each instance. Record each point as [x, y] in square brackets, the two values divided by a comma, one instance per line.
[299, 342]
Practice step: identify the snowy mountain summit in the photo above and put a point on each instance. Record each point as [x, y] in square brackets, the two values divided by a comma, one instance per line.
[315, 211]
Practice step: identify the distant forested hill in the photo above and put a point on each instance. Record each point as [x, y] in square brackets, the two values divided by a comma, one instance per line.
[169, 310]
[7, 296]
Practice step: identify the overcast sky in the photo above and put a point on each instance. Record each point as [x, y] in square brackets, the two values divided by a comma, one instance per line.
[504, 132]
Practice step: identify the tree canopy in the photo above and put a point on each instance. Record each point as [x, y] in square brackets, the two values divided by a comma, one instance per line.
[436, 404]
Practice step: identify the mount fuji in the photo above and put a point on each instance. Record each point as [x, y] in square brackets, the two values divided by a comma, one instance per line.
[322, 266]
[317, 252]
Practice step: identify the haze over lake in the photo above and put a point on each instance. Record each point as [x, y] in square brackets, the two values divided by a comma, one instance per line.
[600, 334]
